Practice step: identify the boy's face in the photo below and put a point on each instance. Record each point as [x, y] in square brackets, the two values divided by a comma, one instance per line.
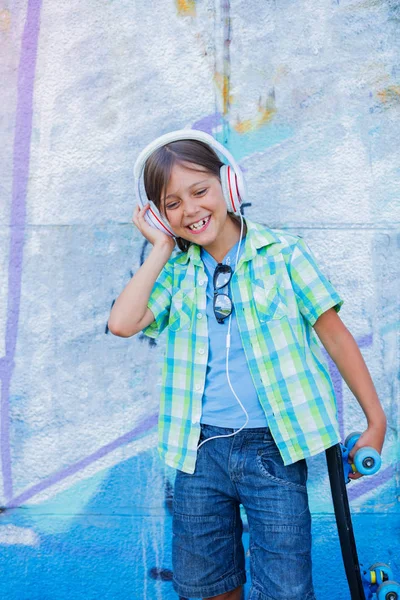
[194, 197]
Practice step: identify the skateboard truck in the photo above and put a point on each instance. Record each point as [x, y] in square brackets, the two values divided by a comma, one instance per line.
[377, 581]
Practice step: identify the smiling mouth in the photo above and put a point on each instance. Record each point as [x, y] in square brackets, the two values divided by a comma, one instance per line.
[200, 225]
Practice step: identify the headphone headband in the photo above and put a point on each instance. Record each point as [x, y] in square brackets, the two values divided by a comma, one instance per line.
[175, 136]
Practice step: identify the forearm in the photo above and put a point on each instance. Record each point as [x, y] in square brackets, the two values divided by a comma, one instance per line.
[131, 305]
[351, 365]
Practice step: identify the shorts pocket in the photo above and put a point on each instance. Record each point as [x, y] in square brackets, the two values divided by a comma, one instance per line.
[269, 302]
[271, 466]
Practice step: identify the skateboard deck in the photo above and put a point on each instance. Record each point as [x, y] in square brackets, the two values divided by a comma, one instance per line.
[343, 520]
[376, 582]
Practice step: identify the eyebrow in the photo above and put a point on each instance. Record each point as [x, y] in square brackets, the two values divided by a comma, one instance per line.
[190, 187]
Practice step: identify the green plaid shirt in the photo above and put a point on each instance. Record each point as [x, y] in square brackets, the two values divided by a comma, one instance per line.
[278, 292]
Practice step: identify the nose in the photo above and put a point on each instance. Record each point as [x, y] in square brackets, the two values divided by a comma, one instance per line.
[190, 208]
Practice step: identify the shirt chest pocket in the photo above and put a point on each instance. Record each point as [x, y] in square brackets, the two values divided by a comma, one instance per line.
[182, 310]
[270, 303]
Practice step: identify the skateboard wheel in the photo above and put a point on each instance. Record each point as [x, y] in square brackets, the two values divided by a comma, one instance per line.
[367, 460]
[383, 567]
[390, 590]
[349, 442]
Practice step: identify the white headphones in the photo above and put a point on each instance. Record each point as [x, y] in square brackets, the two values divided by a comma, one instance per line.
[232, 181]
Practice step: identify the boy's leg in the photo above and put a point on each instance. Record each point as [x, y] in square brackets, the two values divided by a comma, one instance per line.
[207, 549]
[276, 503]
[233, 595]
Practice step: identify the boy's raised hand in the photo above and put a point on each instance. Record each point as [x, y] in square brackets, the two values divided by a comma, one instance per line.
[153, 235]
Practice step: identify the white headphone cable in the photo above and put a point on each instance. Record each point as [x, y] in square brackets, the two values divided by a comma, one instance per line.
[228, 345]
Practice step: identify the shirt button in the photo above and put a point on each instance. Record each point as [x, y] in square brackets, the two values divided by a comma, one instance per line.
[201, 351]
[199, 316]
[201, 282]
[198, 387]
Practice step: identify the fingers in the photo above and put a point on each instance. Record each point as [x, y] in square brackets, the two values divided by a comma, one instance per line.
[350, 460]
[138, 214]
[140, 211]
[353, 452]
[149, 231]
[355, 475]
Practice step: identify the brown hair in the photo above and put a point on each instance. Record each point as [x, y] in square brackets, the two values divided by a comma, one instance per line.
[158, 167]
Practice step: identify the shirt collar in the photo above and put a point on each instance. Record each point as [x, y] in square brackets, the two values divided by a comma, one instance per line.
[257, 237]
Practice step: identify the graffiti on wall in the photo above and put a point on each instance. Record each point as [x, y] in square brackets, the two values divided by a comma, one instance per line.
[44, 478]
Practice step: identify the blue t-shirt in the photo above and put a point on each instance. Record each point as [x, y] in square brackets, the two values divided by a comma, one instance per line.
[220, 406]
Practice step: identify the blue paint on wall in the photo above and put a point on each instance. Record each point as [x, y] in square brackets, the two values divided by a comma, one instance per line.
[118, 545]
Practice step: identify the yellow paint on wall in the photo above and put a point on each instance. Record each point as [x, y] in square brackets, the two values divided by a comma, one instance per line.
[5, 20]
[222, 83]
[265, 111]
[390, 94]
[186, 8]
[253, 124]
[265, 114]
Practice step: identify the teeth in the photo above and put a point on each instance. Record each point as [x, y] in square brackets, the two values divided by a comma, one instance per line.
[199, 224]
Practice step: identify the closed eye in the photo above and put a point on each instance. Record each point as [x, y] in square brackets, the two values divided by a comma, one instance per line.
[173, 205]
[198, 193]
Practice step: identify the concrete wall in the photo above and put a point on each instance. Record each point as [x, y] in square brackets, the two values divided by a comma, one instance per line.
[307, 97]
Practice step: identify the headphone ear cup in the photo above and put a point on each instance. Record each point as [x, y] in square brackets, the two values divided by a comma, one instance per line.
[230, 189]
[153, 217]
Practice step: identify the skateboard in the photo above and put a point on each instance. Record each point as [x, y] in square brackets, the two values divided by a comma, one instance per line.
[376, 582]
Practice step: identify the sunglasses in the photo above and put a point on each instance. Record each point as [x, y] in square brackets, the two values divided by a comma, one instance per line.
[222, 302]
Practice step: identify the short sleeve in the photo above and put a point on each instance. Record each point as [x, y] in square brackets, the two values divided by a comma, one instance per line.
[159, 303]
[314, 292]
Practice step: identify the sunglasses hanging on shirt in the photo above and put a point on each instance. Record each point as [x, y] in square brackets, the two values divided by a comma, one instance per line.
[222, 302]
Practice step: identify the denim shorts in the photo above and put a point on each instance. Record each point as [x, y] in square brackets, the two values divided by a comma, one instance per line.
[207, 550]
